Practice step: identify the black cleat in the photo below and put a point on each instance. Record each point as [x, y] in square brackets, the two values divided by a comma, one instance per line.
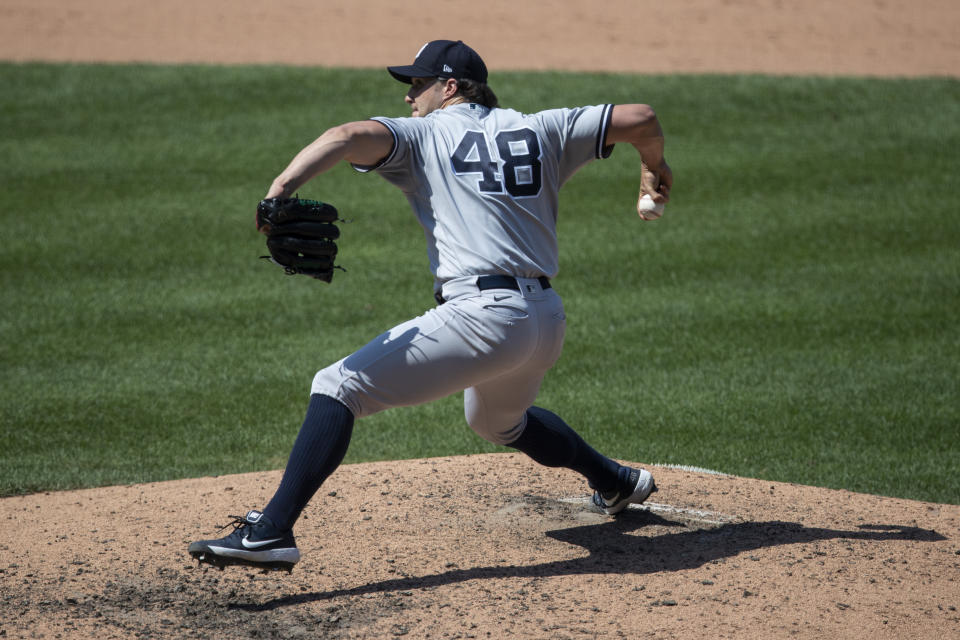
[255, 542]
[635, 486]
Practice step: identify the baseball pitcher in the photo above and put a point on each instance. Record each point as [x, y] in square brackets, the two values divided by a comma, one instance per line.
[483, 182]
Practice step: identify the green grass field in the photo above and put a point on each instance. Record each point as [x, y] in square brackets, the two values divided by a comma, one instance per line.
[793, 316]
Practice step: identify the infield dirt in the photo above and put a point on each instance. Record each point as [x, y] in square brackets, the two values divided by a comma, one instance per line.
[490, 546]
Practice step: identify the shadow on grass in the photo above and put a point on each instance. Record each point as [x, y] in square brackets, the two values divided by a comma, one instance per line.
[614, 551]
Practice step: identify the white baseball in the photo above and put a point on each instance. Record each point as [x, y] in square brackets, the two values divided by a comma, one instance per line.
[648, 209]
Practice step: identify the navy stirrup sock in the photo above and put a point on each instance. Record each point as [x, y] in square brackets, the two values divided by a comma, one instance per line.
[318, 451]
[551, 442]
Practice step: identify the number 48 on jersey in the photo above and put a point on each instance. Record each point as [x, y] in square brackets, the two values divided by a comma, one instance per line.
[519, 152]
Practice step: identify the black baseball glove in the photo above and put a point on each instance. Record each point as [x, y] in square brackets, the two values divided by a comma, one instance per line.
[300, 235]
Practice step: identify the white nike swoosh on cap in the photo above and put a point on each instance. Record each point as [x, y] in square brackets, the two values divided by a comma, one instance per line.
[248, 544]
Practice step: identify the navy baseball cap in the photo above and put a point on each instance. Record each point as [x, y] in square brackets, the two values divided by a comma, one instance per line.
[443, 59]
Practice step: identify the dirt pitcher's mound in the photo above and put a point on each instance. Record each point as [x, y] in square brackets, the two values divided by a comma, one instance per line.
[488, 546]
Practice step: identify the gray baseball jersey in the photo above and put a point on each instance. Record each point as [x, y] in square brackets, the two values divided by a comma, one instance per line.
[484, 182]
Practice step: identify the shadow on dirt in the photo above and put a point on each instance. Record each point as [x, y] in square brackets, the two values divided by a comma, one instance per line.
[614, 551]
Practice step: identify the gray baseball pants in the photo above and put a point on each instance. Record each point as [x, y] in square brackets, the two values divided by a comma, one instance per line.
[495, 345]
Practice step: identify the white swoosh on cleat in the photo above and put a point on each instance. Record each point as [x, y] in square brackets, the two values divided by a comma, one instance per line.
[247, 544]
